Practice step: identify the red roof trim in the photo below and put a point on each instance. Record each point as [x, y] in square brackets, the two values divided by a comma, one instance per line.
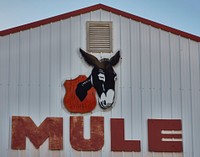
[49, 20]
[93, 8]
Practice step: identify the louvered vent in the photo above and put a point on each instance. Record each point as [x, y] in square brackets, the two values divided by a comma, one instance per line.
[99, 36]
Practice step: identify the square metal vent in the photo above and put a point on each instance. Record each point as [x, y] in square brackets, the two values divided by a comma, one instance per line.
[99, 36]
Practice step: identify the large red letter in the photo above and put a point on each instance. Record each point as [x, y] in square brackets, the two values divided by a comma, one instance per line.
[23, 127]
[77, 140]
[117, 138]
[164, 135]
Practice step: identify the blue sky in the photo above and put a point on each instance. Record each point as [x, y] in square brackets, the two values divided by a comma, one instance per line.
[180, 14]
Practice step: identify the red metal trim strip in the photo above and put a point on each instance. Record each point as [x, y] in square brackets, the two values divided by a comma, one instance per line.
[93, 8]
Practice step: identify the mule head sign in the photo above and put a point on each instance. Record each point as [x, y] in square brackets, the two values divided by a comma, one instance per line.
[101, 81]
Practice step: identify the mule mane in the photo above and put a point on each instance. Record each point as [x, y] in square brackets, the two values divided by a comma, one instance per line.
[103, 63]
[104, 60]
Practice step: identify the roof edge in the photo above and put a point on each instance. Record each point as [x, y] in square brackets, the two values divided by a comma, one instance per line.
[93, 8]
[49, 20]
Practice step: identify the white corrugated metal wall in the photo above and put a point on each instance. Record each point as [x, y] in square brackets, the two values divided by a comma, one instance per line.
[158, 77]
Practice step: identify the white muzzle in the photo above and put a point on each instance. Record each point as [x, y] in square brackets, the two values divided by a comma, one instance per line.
[106, 99]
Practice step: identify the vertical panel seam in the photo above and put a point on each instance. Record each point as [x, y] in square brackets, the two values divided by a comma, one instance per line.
[19, 73]
[120, 20]
[150, 67]
[70, 47]
[9, 143]
[60, 66]
[39, 88]
[180, 84]
[131, 80]
[141, 102]
[161, 98]
[49, 62]
[191, 100]
[170, 68]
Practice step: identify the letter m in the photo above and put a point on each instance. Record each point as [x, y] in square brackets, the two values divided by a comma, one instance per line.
[23, 127]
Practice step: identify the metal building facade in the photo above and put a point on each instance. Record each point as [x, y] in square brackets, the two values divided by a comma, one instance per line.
[158, 77]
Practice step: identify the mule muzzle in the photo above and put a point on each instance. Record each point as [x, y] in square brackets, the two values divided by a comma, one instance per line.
[106, 99]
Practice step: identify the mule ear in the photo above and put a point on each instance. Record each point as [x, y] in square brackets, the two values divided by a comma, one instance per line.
[90, 59]
[115, 59]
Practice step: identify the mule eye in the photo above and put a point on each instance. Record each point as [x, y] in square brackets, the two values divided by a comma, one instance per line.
[115, 78]
[102, 77]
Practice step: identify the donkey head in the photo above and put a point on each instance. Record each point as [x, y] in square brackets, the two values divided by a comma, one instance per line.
[102, 78]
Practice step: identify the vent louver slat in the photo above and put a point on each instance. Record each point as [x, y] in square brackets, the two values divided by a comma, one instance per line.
[99, 36]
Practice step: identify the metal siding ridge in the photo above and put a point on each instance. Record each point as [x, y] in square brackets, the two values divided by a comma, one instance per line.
[93, 8]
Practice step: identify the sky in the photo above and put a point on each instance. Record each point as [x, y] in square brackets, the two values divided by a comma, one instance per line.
[180, 14]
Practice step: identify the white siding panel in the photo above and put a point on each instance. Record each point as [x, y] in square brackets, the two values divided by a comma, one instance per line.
[145, 82]
[195, 122]
[55, 75]
[84, 19]
[24, 58]
[194, 65]
[116, 111]
[158, 77]
[44, 149]
[116, 32]
[136, 109]
[128, 154]
[105, 16]
[95, 15]
[126, 112]
[45, 71]
[45, 55]
[24, 73]
[178, 154]
[175, 77]
[14, 75]
[126, 76]
[185, 65]
[186, 97]
[195, 92]
[33, 150]
[14, 59]
[4, 96]
[125, 54]
[167, 155]
[145, 56]
[117, 154]
[4, 120]
[4, 60]
[165, 49]
[155, 81]
[75, 45]
[65, 50]
[34, 104]
[65, 74]
[155, 58]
